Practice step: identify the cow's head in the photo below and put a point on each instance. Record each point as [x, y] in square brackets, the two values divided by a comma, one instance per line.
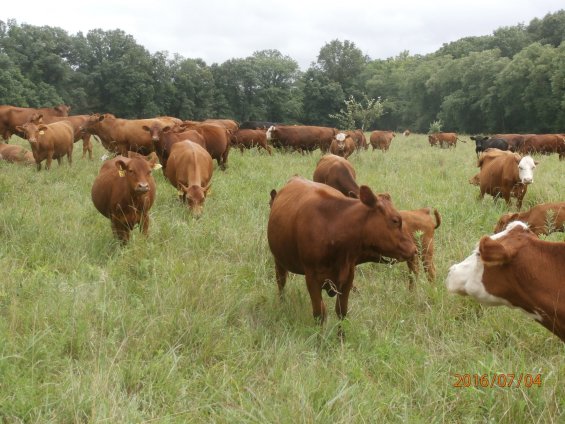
[155, 130]
[466, 278]
[32, 132]
[137, 171]
[62, 110]
[526, 168]
[270, 131]
[382, 233]
[340, 139]
[432, 140]
[195, 195]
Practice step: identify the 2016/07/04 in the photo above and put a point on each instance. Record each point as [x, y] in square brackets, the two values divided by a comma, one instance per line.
[498, 380]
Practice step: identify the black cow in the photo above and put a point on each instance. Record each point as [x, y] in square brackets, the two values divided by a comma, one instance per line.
[483, 142]
[256, 125]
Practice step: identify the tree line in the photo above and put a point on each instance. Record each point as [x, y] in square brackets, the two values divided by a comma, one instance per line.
[510, 81]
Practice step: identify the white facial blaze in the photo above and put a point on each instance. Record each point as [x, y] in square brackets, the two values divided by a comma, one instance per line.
[340, 137]
[466, 278]
[526, 170]
[269, 132]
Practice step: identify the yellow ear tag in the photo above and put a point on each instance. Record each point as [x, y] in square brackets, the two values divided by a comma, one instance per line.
[122, 173]
[41, 132]
[180, 192]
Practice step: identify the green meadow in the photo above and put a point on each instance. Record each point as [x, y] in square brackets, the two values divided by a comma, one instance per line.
[186, 325]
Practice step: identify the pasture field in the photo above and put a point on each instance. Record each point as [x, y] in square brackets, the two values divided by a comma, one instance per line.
[186, 325]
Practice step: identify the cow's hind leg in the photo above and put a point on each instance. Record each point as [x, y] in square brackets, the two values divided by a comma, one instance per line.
[315, 290]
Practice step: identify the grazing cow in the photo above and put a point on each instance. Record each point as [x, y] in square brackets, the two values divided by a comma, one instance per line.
[51, 141]
[483, 142]
[124, 191]
[543, 143]
[190, 170]
[122, 135]
[16, 154]
[342, 145]
[338, 173]
[315, 231]
[514, 268]
[381, 139]
[12, 117]
[406, 132]
[228, 124]
[544, 218]
[301, 137]
[505, 174]
[250, 138]
[359, 137]
[444, 140]
[217, 140]
[256, 125]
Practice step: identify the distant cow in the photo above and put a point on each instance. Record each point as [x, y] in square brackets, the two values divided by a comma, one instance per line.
[314, 230]
[505, 174]
[381, 139]
[301, 137]
[483, 142]
[406, 132]
[12, 117]
[51, 141]
[514, 268]
[217, 140]
[544, 144]
[228, 124]
[514, 140]
[342, 145]
[256, 125]
[338, 173]
[359, 137]
[250, 138]
[77, 122]
[444, 139]
[544, 218]
[189, 170]
[16, 154]
[124, 192]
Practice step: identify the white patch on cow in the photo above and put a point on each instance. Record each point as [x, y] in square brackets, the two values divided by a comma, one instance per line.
[526, 170]
[466, 277]
[340, 137]
[104, 157]
[269, 131]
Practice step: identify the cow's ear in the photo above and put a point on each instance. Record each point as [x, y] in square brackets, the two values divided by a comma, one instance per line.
[166, 129]
[121, 165]
[101, 118]
[367, 196]
[536, 162]
[207, 188]
[43, 128]
[493, 252]
[20, 128]
[153, 160]
[146, 128]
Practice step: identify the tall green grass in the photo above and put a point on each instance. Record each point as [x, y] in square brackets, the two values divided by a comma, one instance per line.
[186, 325]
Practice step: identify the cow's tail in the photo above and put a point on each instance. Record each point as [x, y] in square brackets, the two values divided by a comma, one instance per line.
[273, 195]
[438, 218]
[461, 140]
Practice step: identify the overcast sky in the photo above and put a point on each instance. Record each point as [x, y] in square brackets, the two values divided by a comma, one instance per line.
[216, 31]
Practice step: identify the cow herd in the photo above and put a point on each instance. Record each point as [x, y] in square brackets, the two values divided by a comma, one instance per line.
[324, 227]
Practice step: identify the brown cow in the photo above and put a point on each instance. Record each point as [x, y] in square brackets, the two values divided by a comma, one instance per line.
[217, 139]
[124, 191]
[12, 117]
[338, 173]
[122, 135]
[301, 137]
[444, 140]
[16, 154]
[381, 139]
[359, 137]
[544, 144]
[190, 170]
[514, 140]
[316, 231]
[544, 218]
[228, 124]
[250, 138]
[77, 122]
[342, 145]
[51, 141]
[505, 174]
[516, 269]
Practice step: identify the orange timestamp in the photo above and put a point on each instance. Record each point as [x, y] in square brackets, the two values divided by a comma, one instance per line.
[497, 380]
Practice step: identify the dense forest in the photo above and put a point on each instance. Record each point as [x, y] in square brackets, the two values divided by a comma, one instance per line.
[510, 81]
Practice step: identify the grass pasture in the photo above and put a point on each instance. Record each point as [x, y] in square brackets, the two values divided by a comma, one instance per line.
[186, 325]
